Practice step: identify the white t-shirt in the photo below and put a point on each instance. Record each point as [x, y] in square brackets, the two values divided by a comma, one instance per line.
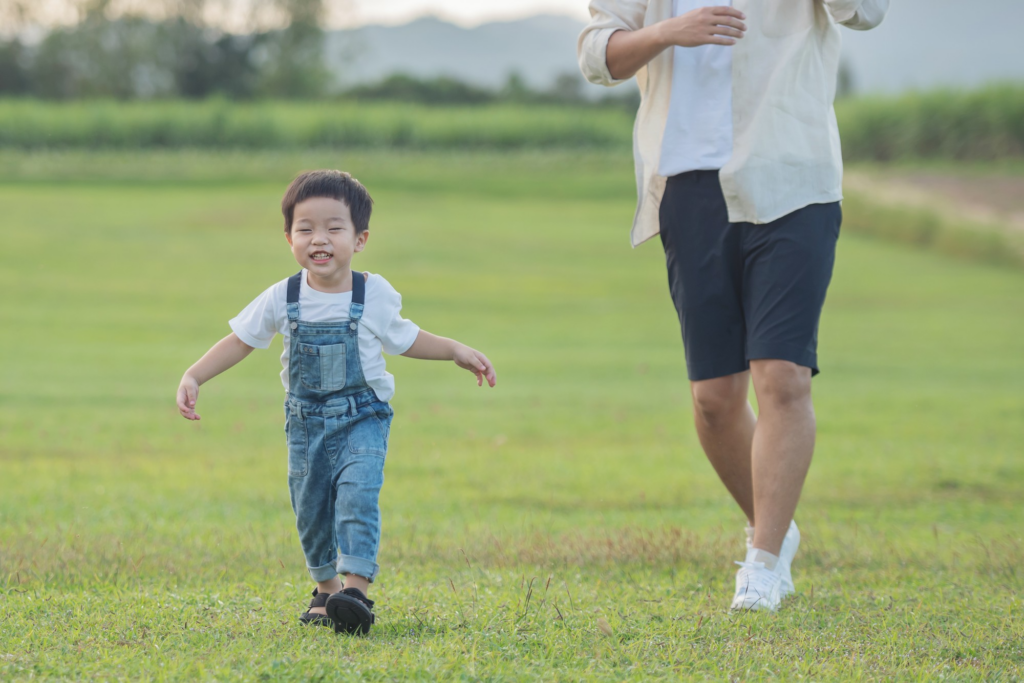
[698, 132]
[381, 328]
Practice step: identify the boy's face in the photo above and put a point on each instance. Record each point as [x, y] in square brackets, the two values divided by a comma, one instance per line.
[323, 238]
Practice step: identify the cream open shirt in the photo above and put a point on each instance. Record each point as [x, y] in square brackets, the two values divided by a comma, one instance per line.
[786, 151]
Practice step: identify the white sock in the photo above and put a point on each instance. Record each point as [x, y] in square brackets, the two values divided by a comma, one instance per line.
[763, 556]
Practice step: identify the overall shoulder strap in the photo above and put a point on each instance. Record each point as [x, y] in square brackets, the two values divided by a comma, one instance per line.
[358, 288]
[358, 295]
[294, 282]
[292, 299]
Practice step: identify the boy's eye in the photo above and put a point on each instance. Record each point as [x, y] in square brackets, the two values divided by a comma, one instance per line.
[337, 229]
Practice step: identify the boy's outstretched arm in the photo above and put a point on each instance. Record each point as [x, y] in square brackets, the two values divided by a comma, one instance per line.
[225, 354]
[431, 347]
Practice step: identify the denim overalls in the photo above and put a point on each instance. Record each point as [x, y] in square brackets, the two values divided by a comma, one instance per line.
[337, 437]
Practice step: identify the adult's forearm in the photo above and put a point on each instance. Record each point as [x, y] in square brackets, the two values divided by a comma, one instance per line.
[630, 51]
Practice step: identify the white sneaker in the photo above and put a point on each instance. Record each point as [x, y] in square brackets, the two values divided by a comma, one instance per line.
[757, 587]
[790, 544]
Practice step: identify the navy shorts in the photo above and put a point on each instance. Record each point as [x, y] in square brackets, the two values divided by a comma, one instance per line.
[744, 291]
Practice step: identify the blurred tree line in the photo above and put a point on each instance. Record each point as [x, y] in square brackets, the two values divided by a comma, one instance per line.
[174, 50]
[567, 88]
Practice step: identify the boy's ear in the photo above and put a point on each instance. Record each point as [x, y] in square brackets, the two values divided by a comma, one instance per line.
[361, 239]
[288, 236]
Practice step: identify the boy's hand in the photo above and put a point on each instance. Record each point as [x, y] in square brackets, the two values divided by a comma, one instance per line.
[188, 392]
[475, 362]
[225, 354]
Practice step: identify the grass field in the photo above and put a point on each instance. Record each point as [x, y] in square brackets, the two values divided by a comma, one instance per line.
[519, 520]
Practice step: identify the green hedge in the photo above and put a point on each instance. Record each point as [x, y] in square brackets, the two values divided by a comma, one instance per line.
[980, 124]
[983, 124]
[28, 124]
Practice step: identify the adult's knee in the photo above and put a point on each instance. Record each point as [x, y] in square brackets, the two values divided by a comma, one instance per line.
[717, 401]
[781, 384]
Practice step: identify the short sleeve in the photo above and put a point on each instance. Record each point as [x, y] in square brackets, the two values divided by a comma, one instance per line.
[384, 317]
[258, 322]
[400, 336]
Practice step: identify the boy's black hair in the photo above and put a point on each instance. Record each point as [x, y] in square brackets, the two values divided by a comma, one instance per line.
[334, 185]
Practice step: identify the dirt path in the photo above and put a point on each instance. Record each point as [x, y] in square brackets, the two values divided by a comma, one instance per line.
[996, 200]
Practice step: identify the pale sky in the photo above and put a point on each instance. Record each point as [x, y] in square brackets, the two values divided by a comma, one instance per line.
[463, 12]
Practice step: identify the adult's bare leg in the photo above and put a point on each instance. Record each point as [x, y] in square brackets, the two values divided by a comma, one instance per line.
[725, 425]
[782, 447]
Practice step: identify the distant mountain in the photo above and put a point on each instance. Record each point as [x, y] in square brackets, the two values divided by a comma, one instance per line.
[922, 44]
[538, 49]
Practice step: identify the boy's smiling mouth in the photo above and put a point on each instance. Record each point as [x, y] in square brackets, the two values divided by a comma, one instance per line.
[321, 257]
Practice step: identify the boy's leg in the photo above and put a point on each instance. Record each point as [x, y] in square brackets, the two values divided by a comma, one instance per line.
[356, 581]
[357, 518]
[358, 482]
[310, 485]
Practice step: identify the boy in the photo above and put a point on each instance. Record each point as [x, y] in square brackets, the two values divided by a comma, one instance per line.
[335, 324]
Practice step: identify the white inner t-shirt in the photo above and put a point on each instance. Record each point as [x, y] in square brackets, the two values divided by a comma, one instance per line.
[698, 133]
[381, 329]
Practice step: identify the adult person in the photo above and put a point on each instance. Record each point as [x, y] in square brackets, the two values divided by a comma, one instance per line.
[738, 167]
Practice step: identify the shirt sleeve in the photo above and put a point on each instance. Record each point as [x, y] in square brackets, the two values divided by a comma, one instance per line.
[860, 15]
[258, 322]
[606, 17]
[396, 334]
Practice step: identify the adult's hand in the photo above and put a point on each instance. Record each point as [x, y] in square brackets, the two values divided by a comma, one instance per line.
[704, 26]
[629, 51]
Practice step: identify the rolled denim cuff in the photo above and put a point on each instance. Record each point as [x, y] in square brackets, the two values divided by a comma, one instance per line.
[324, 573]
[358, 566]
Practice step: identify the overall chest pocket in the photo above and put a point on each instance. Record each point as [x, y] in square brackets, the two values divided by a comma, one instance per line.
[322, 367]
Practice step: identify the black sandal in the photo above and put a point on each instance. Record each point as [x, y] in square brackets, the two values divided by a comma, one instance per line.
[351, 611]
[319, 600]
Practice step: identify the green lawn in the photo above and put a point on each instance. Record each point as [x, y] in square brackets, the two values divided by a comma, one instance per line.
[136, 545]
